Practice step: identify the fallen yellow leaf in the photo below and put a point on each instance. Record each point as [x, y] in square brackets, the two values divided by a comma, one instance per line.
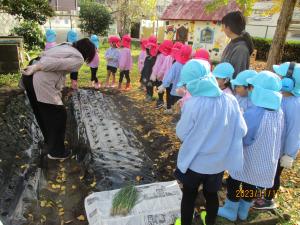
[81, 218]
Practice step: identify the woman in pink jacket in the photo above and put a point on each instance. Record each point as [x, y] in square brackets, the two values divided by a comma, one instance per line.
[44, 81]
[125, 62]
[141, 59]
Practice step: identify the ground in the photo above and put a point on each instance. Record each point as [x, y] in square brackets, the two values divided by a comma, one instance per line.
[65, 184]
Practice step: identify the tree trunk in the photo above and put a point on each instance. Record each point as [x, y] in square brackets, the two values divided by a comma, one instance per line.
[283, 23]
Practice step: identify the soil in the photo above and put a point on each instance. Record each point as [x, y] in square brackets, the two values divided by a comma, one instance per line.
[115, 137]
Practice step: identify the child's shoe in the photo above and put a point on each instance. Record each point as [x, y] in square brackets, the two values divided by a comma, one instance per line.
[120, 86]
[92, 84]
[159, 104]
[113, 85]
[264, 204]
[74, 85]
[168, 111]
[97, 86]
[128, 87]
[106, 85]
[229, 210]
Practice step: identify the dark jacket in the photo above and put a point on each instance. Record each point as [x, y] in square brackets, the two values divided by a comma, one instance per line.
[237, 54]
[147, 69]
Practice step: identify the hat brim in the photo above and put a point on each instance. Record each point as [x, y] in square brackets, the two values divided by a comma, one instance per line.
[236, 83]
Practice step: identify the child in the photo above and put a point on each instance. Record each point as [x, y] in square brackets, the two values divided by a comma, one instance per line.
[290, 72]
[241, 88]
[73, 37]
[112, 58]
[211, 129]
[261, 147]
[203, 55]
[151, 51]
[141, 59]
[223, 72]
[125, 62]
[163, 51]
[95, 63]
[50, 39]
[173, 76]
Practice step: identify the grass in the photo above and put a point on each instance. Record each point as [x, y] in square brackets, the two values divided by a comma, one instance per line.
[11, 80]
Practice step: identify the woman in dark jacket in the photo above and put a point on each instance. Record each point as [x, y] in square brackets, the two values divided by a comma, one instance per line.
[238, 51]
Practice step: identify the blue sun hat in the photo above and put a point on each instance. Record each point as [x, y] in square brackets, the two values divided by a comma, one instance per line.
[50, 35]
[204, 86]
[72, 36]
[289, 85]
[266, 91]
[95, 40]
[192, 70]
[223, 70]
[241, 78]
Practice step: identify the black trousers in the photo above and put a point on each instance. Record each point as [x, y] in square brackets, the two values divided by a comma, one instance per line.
[94, 74]
[74, 76]
[51, 120]
[171, 99]
[271, 192]
[150, 89]
[189, 196]
[126, 74]
[235, 192]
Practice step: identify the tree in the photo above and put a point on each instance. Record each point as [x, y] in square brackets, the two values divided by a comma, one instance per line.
[286, 8]
[277, 47]
[95, 18]
[32, 34]
[32, 10]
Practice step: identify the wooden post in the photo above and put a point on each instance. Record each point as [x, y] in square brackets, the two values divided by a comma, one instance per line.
[285, 17]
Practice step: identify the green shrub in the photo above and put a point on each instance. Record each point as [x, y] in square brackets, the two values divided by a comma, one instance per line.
[291, 49]
[32, 34]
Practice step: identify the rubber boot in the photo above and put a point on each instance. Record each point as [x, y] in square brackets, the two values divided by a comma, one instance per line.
[244, 208]
[229, 210]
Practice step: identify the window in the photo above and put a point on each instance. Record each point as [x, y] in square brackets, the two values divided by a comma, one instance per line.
[207, 36]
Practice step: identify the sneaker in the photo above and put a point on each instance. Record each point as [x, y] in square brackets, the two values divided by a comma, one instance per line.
[74, 85]
[264, 204]
[159, 104]
[66, 155]
[112, 85]
[168, 111]
[148, 98]
[97, 86]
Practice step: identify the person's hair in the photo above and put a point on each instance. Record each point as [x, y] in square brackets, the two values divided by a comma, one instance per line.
[236, 22]
[86, 48]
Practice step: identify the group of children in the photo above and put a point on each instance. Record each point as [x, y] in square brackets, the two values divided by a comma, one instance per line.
[118, 56]
[248, 125]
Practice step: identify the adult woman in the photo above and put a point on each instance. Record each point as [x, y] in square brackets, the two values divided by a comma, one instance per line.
[43, 82]
[238, 51]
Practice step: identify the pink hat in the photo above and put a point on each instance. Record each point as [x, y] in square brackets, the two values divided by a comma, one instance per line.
[152, 39]
[176, 47]
[153, 48]
[184, 54]
[126, 41]
[143, 44]
[166, 47]
[202, 54]
[114, 40]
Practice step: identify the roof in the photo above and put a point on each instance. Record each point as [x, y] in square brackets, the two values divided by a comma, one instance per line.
[195, 10]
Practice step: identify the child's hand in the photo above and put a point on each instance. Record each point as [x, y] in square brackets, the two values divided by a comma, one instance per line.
[30, 70]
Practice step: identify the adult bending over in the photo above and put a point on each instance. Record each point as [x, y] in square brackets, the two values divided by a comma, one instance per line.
[44, 81]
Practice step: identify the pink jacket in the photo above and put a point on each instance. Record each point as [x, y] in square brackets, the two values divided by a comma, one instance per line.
[55, 64]
[50, 45]
[157, 67]
[228, 91]
[125, 59]
[168, 62]
[185, 98]
[95, 61]
[141, 60]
